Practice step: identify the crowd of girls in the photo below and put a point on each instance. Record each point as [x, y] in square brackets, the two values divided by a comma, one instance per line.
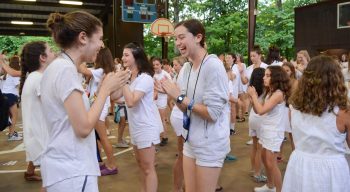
[308, 99]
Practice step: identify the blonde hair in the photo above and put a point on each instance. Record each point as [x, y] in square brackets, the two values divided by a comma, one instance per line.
[305, 54]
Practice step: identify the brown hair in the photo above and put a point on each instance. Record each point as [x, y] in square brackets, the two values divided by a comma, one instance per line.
[195, 27]
[320, 88]
[292, 69]
[66, 28]
[105, 61]
[279, 81]
[14, 63]
[30, 59]
[256, 49]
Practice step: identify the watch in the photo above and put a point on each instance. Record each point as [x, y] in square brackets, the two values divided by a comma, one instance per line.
[180, 98]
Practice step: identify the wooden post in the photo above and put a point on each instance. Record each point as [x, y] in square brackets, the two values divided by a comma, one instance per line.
[252, 7]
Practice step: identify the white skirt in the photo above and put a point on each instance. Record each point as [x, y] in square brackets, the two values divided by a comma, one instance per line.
[321, 173]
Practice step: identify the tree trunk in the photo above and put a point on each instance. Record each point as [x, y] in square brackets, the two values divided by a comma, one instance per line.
[176, 11]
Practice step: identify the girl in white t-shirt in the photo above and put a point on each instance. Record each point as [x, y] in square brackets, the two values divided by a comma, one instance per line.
[69, 162]
[36, 56]
[276, 82]
[103, 65]
[10, 91]
[176, 120]
[143, 117]
[160, 97]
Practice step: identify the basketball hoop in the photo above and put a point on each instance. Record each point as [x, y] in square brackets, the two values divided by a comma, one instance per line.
[162, 27]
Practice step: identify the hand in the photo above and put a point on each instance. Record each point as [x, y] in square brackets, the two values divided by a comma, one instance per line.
[158, 86]
[240, 67]
[251, 91]
[114, 81]
[171, 88]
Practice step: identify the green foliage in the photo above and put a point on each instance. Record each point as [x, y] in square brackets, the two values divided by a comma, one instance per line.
[15, 43]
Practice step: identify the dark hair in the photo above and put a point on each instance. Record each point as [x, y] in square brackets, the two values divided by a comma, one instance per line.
[256, 49]
[105, 61]
[292, 69]
[165, 62]
[66, 28]
[154, 58]
[195, 27]
[320, 88]
[273, 54]
[233, 57]
[14, 63]
[279, 81]
[141, 60]
[30, 59]
[257, 80]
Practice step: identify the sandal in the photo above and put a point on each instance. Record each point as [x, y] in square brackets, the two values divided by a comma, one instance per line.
[107, 171]
[31, 177]
[219, 189]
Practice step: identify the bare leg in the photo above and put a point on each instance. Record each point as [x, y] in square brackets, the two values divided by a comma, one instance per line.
[14, 114]
[207, 178]
[178, 167]
[101, 130]
[121, 128]
[189, 169]
[146, 159]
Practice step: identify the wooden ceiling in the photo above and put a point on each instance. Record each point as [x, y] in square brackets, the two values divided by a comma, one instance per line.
[38, 12]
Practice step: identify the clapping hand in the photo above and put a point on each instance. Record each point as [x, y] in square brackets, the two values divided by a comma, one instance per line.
[170, 88]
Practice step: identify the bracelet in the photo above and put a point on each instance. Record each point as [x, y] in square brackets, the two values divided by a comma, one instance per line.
[190, 105]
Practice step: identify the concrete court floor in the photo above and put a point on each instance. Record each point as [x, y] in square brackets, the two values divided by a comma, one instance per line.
[234, 176]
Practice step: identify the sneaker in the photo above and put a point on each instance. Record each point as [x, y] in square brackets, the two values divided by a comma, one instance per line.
[122, 145]
[14, 137]
[164, 142]
[107, 171]
[260, 178]
[230, 158]
[233, 132]
[264, 188]
[250, 142]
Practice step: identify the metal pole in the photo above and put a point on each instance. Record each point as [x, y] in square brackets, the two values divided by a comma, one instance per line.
[165, 43]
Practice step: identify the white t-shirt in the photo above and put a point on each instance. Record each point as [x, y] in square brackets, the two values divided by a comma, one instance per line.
[236, 83]
[67, 155]
[95, 81]
[278, 63]
[159, 76]
[10, 85]
[34, 125]
[250, 69]
[144, 124]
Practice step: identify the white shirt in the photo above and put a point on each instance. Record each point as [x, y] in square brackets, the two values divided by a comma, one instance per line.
[278, 63]
[67, 155]
[95, 81]
[144, 125]
[10, 85]
[159, 76]
[178, 79]
[34, 125]
[250, 69]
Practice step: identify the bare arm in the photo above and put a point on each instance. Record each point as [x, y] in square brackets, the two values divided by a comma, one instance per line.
[261, 109]
[10, 71]
[132, 98]
[83, 122]
[84, 70]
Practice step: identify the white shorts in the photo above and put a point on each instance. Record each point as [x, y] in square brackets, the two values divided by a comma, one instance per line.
[254, 126]
[105, 109]
[162, 102]
[188, 151]
[271, 140]
[75, 184]
[122, 110]
[176, 123]
[145, 144]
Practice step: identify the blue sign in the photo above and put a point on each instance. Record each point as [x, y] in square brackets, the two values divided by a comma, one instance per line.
[139, 11]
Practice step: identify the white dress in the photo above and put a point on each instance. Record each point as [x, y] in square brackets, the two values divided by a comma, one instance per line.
[34, 125]
[318, 162]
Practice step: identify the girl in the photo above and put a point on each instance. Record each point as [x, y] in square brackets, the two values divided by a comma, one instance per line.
[103, 65]
[69, 162]
[204, 100]
[161, 97]
[277, 86]
[10, 91]
[35, 57]
[320, 124]
[254, 123]
[176, 123]
[143, 116]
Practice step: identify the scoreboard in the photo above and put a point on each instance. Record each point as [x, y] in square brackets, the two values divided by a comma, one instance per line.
[139, 11]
